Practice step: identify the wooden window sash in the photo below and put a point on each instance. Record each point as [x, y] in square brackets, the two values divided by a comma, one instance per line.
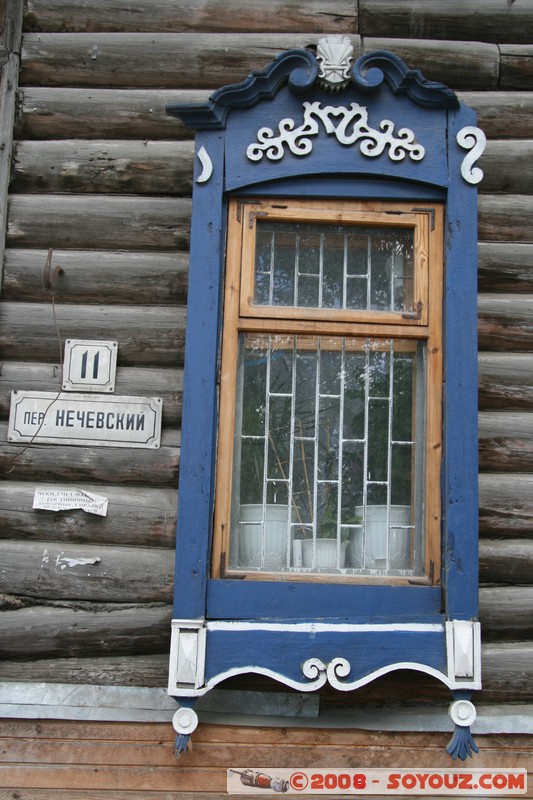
[239, 263]
[392, 216]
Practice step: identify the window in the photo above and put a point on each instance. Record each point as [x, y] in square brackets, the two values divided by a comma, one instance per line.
[331, 389]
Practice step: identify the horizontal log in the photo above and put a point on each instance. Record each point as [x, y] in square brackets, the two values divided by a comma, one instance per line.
[76, 221]
[55, 632]
[73, 464]
[338, 16]
[506, 218]
[506, 504]
[506, 441]
[505, 322]
[502, 115]
[505, 381]
[507, 669]
[516, 65]
[164, 382]
[64, 113]
[165, 167]
[90, 276]
[93, 572]
[508, 166]
[146, 335]
[144, 670]
[506, 612]
[509, 561]
[491, 21]
[143, 60]
[136, 517]
[140, 60]
[505, 267]
[507, 675]
[125, 167]
[459, 64]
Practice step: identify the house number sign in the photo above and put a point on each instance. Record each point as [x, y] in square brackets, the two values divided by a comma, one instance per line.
[89, 366]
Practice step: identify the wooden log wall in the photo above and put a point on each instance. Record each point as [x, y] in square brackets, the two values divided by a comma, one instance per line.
[102, 176]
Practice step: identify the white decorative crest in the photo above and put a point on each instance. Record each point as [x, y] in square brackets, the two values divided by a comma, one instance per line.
[348, 125]
[334, 55]
[473, 139]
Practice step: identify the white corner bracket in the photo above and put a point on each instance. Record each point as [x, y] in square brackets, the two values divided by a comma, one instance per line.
[463, 643]
[187, 657]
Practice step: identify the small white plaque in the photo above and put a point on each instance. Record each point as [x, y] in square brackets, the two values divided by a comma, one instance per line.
[89, 366]
[79, 419]
[68, 499]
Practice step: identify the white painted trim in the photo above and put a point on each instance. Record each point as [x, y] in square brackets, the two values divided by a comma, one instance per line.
[20, 700]
[323, 627]
[311, 686]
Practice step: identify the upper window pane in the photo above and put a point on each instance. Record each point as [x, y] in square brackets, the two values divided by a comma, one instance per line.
[334, 266]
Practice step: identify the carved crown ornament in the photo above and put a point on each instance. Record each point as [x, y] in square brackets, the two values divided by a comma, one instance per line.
[334, 55]
[332, 68]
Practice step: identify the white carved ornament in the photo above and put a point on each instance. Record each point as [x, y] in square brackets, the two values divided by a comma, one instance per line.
[207, 165]
[334, 56]
[349, 126]
[473, 139]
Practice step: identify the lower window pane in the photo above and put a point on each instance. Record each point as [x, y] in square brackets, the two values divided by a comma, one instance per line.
[328, 456]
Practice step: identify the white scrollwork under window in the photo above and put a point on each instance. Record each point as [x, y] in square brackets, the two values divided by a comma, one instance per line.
[349, 126]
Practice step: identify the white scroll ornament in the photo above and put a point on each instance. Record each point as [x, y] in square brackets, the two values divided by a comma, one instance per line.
[473, 139]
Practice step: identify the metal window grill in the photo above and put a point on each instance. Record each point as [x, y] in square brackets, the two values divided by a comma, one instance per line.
[336, 422]
[334, 266]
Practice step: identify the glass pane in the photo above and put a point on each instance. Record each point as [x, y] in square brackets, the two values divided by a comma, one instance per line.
[326, 466]
[336, 266]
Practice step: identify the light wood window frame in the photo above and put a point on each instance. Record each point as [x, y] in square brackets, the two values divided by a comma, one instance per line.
[425, 324]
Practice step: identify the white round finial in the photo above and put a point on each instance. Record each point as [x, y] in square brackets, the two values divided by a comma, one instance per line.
[463, 712]
[185, 720]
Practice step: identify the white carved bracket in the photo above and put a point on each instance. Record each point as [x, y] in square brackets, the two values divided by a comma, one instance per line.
[472, 139]
[463, 642]
[187, 655]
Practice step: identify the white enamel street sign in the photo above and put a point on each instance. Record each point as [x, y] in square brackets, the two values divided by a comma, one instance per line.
[89, 366]
[79, 419]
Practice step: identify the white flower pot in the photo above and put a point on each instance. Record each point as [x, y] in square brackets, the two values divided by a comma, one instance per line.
[270, 553]
[375, 550]
[325, 554]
